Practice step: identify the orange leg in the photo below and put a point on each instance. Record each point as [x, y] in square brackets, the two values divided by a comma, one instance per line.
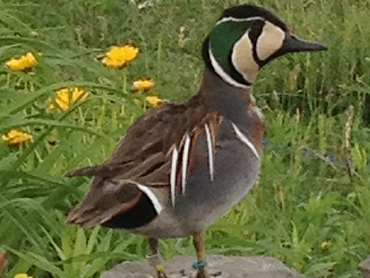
[155, 258]
[200, 265]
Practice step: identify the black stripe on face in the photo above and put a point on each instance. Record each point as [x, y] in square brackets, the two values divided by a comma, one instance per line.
[236, 75]
[141, 214]
[254, 34]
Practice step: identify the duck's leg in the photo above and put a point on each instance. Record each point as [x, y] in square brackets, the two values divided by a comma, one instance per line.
[155, 259]
[200, 265]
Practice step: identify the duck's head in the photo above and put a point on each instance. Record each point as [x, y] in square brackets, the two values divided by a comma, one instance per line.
[245, 39]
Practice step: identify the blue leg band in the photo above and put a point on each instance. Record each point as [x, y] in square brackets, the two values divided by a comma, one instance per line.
[199, 265]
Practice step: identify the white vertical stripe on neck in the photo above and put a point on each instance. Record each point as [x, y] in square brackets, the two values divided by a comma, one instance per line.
[245, 140]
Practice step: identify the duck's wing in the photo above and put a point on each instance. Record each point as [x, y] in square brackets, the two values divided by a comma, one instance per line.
[158, 152]
[105, 199]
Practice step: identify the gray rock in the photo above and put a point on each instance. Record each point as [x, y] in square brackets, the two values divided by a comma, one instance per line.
[365, 268]
[219, 266]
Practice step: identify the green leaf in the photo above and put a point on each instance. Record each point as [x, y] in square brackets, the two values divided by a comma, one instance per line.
[38, 261]
[93, 239]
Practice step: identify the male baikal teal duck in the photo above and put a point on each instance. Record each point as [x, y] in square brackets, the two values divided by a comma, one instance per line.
[182, 166]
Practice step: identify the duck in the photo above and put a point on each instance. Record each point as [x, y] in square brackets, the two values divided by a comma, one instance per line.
[182, 166]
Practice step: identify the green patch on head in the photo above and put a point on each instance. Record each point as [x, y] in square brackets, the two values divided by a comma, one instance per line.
[223, 38]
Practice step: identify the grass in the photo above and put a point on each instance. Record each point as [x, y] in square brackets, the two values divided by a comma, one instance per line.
[310, 208]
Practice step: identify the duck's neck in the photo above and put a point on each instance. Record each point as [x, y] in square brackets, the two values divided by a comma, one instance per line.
[235, 104]
[231, 101]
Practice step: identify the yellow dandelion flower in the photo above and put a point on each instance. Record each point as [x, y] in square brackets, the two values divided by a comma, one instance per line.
[79, 94]
[22, 275]
[154, 101]
[143, 84]
[16, 137]
[64, 98]
[118, 57]
[25, 62]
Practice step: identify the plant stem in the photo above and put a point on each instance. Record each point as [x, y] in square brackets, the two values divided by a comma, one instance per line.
[124, 79]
